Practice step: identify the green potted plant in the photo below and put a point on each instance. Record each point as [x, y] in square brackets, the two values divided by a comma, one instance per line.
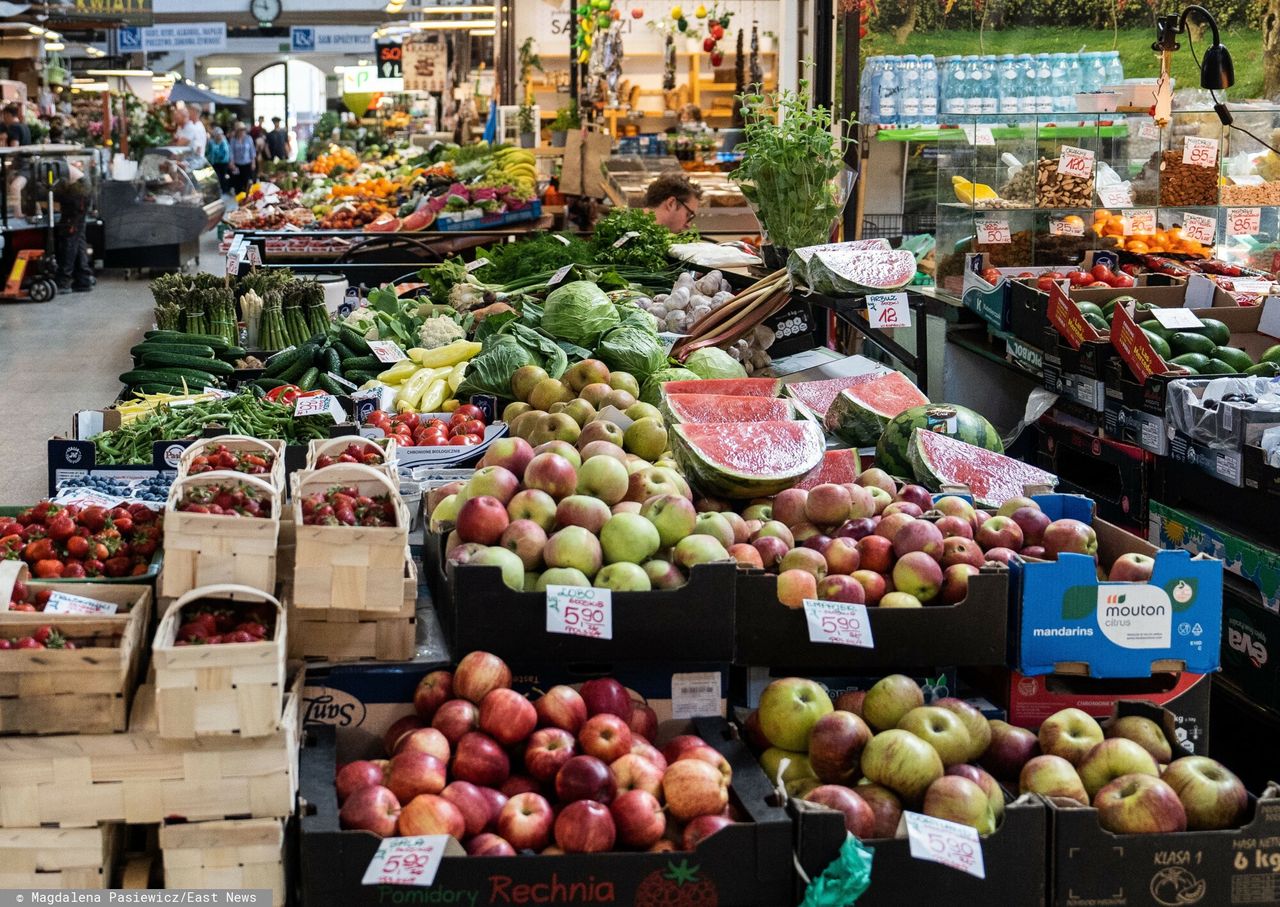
[566, 119]
[792, 172]
[528, 132]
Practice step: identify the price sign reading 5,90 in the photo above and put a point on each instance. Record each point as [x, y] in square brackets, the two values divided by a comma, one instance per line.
[839, 623]
[580, 611]
[948, 843]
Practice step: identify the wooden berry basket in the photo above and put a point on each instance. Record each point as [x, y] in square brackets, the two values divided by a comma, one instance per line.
[243, 444]
[232, 688]
[232, 854]
[343, 634]
[201, 549]
[355, 568]
[86, 690]
[385, 446]
[59, 857]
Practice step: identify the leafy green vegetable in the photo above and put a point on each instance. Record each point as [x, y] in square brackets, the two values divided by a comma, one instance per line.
[491, 371]
[632, 349]
[579, 312]
[535, 254]
[712, 362]
[646, 249]
[630, 316]
[441, 278]
[552, 358]
[651, 389]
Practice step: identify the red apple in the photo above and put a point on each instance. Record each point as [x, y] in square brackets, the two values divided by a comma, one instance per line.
[456, 718]
[1211, 794]
[643, 721]
[525, 822]
[477, 674]
[585, 778]
[835, 746]
[489, 845]
[710, 755]
[790, 505]
[747, 556]
[412, 774]
[605, 736]
[1000, 555]
[479, 759]
[701, 828]
[547, 751]
[507, 717]
[885, 807]
[1033, 522]
[827, 505]
[850, 701]
[1069, 535]
[373, 808]
[606, 695]
[585, 826]
[955, 527]
[771, 549]
[639, 818]
[902, 508]
[425, 740]
[633, 772]
[355, 775]
[519, 784]
[1139, 804]
[1009, 750]
[955, 583]
[471, 802]
[551, 473]
[648, 751]
[876, 553]
[562, 707]
[431, 814]
[999, 532]
[959, 550]
[398, 729]
[918, 535]
[680, 744]
[842, 556]
[482, 520]
[694, 788]
[839, 588]
[873, 585]
[856, 529]
[1132, 568]
[495, 799]
[433, 691]
[859, 820]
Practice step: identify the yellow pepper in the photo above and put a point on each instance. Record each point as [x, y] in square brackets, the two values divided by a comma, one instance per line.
[413, 389]
[450, 354]
[451, 405]
[456, 374]
[434, 396]
[402, 370]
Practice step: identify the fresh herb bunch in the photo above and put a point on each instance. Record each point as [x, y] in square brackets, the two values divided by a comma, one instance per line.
[647, 249]
[791, 167]
[532, 255]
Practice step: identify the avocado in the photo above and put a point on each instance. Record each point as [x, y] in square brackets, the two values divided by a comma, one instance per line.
[1087, 308]
[1152, 326]
[1217, 367]
[1159, 344]
[1193, 361]
[1099, 323]
[1237, 359]
[1110, 305]
[1187, 342]
[1272, 354]
[1215, 330]
[1264, 370]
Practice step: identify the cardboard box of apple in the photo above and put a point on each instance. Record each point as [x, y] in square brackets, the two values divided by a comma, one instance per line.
[873, 754]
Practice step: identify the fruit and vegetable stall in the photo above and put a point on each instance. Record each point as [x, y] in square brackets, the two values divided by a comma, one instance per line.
[578, 549]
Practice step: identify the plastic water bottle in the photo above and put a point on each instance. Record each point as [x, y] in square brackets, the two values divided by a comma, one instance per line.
[909, 97]
[1008, 88]
[1042, 64]
[866, 90]
[929, 83]
[973, 88]
[1115, 68]
[1095, 72]
[1075, 77]
[887, 93]
[990, 99]
[1060, 99]
[956, 90]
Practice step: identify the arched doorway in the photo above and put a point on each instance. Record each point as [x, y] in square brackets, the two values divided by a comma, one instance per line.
[292, 90]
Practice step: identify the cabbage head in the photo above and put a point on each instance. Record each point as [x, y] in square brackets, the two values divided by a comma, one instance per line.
[713, 362]
[632, 349]
[579, 312]
[651, 389]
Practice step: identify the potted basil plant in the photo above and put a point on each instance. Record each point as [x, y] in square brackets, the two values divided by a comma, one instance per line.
[566, 119]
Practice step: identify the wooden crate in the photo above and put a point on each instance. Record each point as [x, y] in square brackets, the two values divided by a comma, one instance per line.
[233, 854]
[237, 688]
[275, 475]
[343, 634]
[86, 690]
[202, 549]
[59, 857]
[351, 567]
[139, 777]
[333, 446]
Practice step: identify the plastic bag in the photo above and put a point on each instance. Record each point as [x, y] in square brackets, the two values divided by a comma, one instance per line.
[844, 880]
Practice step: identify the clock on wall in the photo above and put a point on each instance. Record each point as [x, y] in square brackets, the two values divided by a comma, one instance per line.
[265, 11]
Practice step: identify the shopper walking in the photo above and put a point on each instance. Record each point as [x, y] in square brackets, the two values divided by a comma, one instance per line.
[71, 193]
[218, 154]
[277, 142]
[16, 131]
[244, 158]
[189, 131]
[259, 129]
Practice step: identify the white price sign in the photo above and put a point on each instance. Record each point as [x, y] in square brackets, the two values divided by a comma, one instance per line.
[1149, 131]
[559, 275]
[255, 257]
[841, 623]
[387, 351]
[983, 136]
[406, 861]
[318, 405]
[1077, 162]
[948, 843]
[1244, 221]
[1252, 286]
[1200, 152]
[477, 264]
[1116, 195]
[233, 263]
[1139, 221]
[66, 603]
[625, 238]
[993, 232]
[1176, 319]
[695, 695]
[888, 310]
[580, 611]
[1066, 227]
[1200, 228]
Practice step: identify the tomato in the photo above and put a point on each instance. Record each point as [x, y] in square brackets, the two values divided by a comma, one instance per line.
[378, 419]
[1045, 284]
[469, 411]
[409, 419]
[990, 275]
[469, 427]
[1080, 278]
[1122, 281]
[434, 439]
[466, 440]
[1098, 284]
[1102, 273]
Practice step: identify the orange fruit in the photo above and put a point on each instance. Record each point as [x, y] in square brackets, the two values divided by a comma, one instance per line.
[1137, 246]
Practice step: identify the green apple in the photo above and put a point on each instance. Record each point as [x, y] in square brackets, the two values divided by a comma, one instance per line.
[902, 762]
[789, 708]
[623, 577]
[771, 761]
[889, 699]
[511, 565]
[628, 537]
[604, 478]
[562, 576]
[673, 515]
[941, 729]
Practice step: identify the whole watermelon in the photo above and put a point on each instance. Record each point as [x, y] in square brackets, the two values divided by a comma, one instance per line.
[947, 418]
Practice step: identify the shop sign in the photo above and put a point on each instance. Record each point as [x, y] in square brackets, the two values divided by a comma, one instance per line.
[426, 65]
[208, 37]
[389, 55]
[112, 10]
[358, 79]
[330, 39]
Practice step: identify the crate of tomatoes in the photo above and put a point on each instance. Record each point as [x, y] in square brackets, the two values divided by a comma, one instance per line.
[375, 452]
[223, 527]
[438, 439]
[73, 543]
[219, 659]
[236, 453]
[351, 530]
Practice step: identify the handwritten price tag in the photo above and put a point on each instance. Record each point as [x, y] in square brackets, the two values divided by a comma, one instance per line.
[406, 861]
[1149, 131]
[233, 263]
[255, 257]
[318, 405]
[1200, 152]
[66, 603]
[841, 623]
[477, 264]
[559, 275]
[1200, 228]
[580, 611]
[625, 238]
[1076, 162]
[993, 232]
[983, 136]
[1116, 195]
[1176, 319]
[1139, 221]
[888, 310]
[948, 843]
[1066, 227]
[387, 351]
[1244, 221]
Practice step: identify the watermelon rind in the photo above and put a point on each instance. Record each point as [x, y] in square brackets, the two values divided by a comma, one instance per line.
[858, 419]
[943, 418]
[730, 460]
[729, 387]
[677, 408]
[818, 395]
[992, 478]
[842, 271]
[837, 468]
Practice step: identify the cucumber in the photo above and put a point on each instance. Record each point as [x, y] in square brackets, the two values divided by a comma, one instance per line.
[309, 378]
[267, 384]
[363, 364]
[162, 359]
[218, 343]
[332, 361]
[232, 353]
[351, 338]
[174, 376]
[360, 378]
[344, 351]
[280, 363]
[162, 388]
[182, 349]
[328, 385]
[294, 372]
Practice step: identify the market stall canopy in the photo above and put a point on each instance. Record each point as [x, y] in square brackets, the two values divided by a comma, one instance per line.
[190, 93]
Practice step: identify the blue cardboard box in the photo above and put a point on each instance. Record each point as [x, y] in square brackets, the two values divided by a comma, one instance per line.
[1072, 622]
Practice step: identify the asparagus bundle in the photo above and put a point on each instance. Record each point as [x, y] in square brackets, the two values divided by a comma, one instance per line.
[272, 334]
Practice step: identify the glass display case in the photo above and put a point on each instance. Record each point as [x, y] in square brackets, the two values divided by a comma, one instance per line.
[27, 172]
[176, 174]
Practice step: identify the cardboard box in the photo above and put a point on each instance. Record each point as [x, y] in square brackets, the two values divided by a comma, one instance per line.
[1013, 857]
[748, 863]
[1233, 500]
[1239, 723]
[1030, 700]
[1071, 622]
[1251, 648]
[749, 683]
[1224, 465]
[1241, 553]
[971, 632]
[1012, 304]
[1067, 366]
[1229, 867]
[1134, 426]
[1224, 423]
[1116, 475]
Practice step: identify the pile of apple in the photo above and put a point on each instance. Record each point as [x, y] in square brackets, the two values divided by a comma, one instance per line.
[874, 753]
[580, 516]
[573, 771]
[870, 542]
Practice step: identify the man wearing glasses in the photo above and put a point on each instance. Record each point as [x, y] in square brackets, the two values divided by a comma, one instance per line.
[673, 199]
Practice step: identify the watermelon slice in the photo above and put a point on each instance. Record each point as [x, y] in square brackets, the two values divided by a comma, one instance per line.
[719, 408]
[818, 395]
[993, 478]
[860, 413]
[747, 459]
[837, 468]
[729, 387]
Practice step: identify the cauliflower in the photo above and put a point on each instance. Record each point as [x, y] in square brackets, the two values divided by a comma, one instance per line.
[362, 321]
[439, 330]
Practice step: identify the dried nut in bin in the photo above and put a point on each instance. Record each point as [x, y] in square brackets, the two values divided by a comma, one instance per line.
[1059, 190]
[1186, 184]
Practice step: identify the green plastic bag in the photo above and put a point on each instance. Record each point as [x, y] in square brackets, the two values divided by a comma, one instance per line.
[843, 881]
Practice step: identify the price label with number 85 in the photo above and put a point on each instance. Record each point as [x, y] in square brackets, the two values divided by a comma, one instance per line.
[1244, 221]
[1200, 152]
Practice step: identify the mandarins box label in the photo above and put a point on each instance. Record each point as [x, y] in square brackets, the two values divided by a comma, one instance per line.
[1135, 348]
[1067, 320]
